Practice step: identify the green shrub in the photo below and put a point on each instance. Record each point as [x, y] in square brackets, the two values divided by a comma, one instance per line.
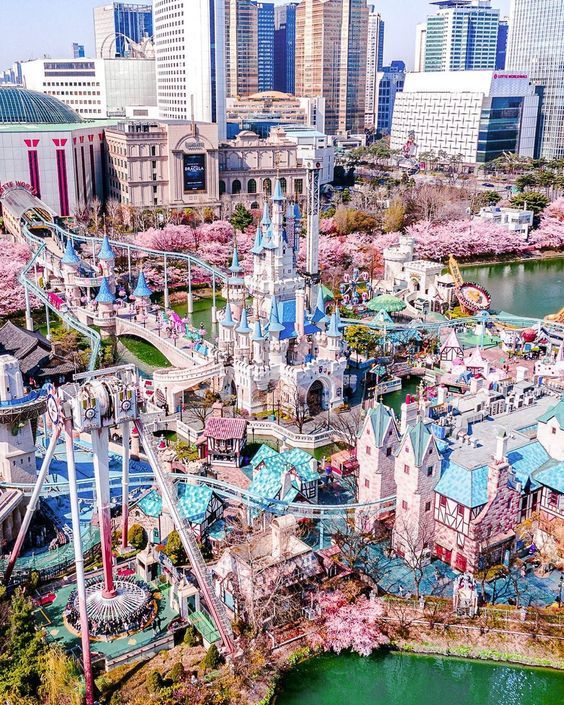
[212, 659]
[176, 673]
[192, 636]
[137, 536]
[154, 682]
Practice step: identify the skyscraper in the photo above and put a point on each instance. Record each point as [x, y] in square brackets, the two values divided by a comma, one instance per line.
[241, 48]
[190, 60]
[265, 45]
[331, 37]
[462, 36]
[391, 80]
[501, 49]
[116, 22]
[285, 47]
[536, 47]
[420, 45]
[374, 63]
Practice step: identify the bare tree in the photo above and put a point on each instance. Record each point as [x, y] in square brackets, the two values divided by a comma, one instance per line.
[347, 424]
[95, 214]
[199, 405]
[113, 212]
[416, 540]
[296, 405]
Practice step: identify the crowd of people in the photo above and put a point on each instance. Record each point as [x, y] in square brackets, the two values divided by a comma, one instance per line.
[117, 624]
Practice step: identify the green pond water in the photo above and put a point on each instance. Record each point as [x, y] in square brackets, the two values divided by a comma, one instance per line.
[533, 288]
[409, 679]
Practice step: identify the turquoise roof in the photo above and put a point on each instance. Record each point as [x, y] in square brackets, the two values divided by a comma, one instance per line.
[105, 295]
[467, 487]
[142, 290]
[556, 411]
[265, 214]
[243, 326]
[106, 252]
[382, 318]
[227, 320]
[525, 460]
[319, 314]
[274, 325]
[552, 475]
[268, 242]
[379, 417]
[278, 195]
[21, 105]
[267, 480]
[420, 437]
[70, 256]
[193, 501]
[257, 247]
[151, 504]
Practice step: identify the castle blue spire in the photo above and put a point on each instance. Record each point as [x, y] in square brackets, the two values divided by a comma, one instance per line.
[297, 214]
[142, 290]
[265, 214]
[70, 256]
[274, 325]
[227, 320]
[235, 266]
[257, 247]
[268, 241]
[289, 211]
[257, 331]
[278, 195]
[106, 252]
[243, 326]
[319, 312]
[105, 295]
[333, 331]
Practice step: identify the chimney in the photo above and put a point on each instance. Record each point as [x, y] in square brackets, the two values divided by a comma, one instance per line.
[520, 373]
[217, 409]
[282, 530]
[501, 446]
[300, 312]
[408, 415]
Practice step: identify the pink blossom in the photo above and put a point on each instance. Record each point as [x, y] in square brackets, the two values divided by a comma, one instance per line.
[13, 258]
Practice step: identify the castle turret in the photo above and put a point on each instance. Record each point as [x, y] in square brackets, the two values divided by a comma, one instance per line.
[235, 286]
[227, 329]
[258, 340]
[107, 260]
[105, 300]
[142, 293]
[70, 264]
[243, 330]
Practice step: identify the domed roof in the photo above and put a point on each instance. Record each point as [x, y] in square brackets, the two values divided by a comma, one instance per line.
[19, 105]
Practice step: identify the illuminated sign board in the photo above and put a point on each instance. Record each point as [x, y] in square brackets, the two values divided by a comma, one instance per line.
[194, 172]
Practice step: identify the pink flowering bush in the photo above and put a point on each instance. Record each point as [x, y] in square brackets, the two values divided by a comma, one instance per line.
[13, 258]
[550, 233]
[344, 625]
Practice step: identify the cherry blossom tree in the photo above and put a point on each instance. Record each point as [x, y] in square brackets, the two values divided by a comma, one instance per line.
[343, 625]
[13, 258]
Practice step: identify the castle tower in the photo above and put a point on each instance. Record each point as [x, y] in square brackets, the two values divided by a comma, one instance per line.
[70, 264]
[274, 330]
[416, 472]
[107, 260]
[377, 440]
[260, 355]
[227, 330]
[236, 291]
[243, 330]
[106, 314]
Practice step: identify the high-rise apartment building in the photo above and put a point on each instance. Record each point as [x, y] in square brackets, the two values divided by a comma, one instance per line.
[462, 36]
[331, 38]
[501, 48]
[420, 45]
[241, 48]
[391, 80]
[190, 60]
[265, 21]
[536, 47]
[374, 63]
[116, 22]
[78, 51]
[285, 47]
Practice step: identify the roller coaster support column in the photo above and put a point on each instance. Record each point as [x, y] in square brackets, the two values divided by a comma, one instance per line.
[28, 318]
[31, 507]
[214, 303]
[129, 265]
[48, 320]
[100, 448]
[190, 309]
[166, 300]
[125, 485]
[79, 563]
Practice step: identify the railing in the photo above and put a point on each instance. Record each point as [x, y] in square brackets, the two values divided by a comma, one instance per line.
[188, 374]
[308, 440]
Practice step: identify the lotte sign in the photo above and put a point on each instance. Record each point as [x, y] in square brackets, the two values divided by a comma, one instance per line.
[12, 185]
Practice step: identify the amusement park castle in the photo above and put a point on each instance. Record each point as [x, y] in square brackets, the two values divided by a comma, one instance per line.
[280, 345]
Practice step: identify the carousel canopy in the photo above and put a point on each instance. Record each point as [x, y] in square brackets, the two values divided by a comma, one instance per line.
[386, 302]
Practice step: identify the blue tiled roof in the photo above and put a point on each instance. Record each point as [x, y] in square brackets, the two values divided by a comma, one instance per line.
[319, 313]
[257, 247]
[267, 480]
[193, 501]
[151, 504]
[263, 452]
[141, 290]
[287, 317]
[467, 487]
[525, 460]
[551, 476]
[105, 295]
[106, 252]
[274, 325]
[70, 256]
[556, 411]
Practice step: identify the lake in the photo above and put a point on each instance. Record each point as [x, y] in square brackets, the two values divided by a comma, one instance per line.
[409, 679]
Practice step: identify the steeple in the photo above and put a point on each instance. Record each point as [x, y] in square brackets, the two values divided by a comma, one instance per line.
[278, 195]
[319, 315]
[235, 266]
[257, 332]
[243, 327]
[142, 290]
[106, 253]
[265, 215]
[274, 325]
[258, 246]
[70, 257]
[227, 320]
[105, 295]
[333, 330]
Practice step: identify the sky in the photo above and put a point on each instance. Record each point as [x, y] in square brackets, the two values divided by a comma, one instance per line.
[30, 29]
